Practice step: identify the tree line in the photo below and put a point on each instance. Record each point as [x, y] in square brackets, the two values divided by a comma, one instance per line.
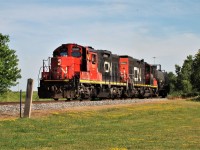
[186, 79]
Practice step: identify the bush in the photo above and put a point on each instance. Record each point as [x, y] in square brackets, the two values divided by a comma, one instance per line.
[174, 95]
[181, 94]
[190, 94]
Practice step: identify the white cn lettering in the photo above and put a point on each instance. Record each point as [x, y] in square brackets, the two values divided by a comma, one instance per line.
[106, 66]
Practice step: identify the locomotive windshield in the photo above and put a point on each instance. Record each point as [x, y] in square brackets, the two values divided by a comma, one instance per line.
[62, 52]
[76, 54]
[76, 51]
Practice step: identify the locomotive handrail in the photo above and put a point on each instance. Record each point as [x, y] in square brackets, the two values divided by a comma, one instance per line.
[39, 75]
[131, 79]
[46, 66]
[43, 67]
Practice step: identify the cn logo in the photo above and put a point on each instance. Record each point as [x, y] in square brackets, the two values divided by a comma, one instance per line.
[107, 66]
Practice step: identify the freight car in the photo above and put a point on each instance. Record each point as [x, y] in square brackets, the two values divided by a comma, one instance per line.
[81, 72]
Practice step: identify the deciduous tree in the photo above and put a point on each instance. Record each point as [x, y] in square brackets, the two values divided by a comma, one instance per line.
[183, 80]
[9, 71]
[172, 81]
[195, 75]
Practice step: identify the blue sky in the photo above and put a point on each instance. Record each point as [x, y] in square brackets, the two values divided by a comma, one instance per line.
[166, 29]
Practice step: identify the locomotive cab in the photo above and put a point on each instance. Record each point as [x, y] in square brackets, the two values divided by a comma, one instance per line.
[66, 61]
[62, 72]
[64, 64]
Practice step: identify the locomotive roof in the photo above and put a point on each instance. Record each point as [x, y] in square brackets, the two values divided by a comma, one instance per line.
[104, 51]
[126, 56]
[64, 45]
[91, 49]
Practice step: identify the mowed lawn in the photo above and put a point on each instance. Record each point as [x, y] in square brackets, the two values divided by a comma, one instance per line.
[164, 125]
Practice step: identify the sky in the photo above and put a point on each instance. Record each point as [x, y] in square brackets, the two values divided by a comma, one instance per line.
[168, 30]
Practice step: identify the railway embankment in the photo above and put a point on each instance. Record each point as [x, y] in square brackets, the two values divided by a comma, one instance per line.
[13, 109]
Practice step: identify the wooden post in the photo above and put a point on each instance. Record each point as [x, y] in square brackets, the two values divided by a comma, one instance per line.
[28, 101]
[20, 104]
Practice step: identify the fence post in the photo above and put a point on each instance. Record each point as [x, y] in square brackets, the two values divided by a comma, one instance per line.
[28, 101]
[20, 103]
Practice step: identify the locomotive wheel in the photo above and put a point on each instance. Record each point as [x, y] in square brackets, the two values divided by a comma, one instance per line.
[141, 93]
[164, 95]
[68, 99]
[93, 94]
[112, 96]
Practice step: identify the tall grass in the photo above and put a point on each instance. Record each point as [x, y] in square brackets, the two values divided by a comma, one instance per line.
[180, 94]
[169, 125]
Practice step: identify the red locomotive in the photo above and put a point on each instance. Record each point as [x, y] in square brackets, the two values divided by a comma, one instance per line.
[79, 72]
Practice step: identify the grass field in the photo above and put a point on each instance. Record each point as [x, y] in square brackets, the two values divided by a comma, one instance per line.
[166, 125]
[15, 96]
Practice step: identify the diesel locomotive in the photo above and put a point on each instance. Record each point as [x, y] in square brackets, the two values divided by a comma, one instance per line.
[82, 72]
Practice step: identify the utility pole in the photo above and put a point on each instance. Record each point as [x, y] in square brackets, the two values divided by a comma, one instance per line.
[154, 60]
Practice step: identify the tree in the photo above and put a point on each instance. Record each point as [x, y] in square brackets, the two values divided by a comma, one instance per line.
[9, 71]
[172, 81]
[195, 75]
[187, 68]
[186, 74]
[178, 78]
[183, 81]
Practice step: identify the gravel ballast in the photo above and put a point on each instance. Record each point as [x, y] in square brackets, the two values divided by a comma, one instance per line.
[15, 108]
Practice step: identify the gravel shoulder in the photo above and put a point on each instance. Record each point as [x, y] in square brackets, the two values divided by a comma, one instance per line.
[45, 109]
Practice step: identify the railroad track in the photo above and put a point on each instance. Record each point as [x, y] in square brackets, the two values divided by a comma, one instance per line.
[61, 101]
[34, 102]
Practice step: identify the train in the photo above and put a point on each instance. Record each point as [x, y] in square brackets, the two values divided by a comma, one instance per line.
[82, 72]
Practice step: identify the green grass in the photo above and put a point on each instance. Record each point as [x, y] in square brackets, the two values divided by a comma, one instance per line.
[11, 96]
[169, 125]
[15, 97]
